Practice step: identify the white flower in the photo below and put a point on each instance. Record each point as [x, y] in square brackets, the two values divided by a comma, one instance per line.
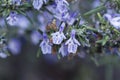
[45, 45]
[71, 18]
[63, 50]
[114, 21]
[59, 36]
[12, 18]
[61, 9]
[3, 55]
[72, 43]
[37, 4]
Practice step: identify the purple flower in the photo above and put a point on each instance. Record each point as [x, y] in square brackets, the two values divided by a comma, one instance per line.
[35, 37]
[114, 21]
[45, 45]
[72, 43]
[61, 10]
[63, 50]
[37, 4]
[61, 17]
[71, 18]
[12, 18]
[59, 36]
[14, 46]
[3, 55]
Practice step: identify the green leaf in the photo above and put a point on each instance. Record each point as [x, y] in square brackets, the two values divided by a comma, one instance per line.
[100, 17]
[93, 11]
[38, 53]
[95, 61]
[6, 12]
[105, 40]
[99, 41]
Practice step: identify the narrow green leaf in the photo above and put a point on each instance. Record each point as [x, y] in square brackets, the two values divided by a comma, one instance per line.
[93, 11]
[38, 53]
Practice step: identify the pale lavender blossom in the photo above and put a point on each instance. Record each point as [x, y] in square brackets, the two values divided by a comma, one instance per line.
[63, 50]
[82, 21]
[3, 55]
[12, 18]
[61, 10]
[114, 21]
[61, 17]
[72, 43]
[37, 4]
[61, 6]
[2, 22]
[14, 46]
[45, 45]
[71, 18]
[59, 36]
[36, 37]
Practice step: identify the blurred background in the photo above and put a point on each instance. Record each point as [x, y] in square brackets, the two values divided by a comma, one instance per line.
[27, 66]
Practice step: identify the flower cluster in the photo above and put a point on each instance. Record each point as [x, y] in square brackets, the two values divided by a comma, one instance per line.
[58, 29]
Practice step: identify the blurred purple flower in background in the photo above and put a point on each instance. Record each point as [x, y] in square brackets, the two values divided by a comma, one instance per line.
[14, 45]
[3, 55]
[96, 3]
[22, 22]
[36, 37]
[2, 22]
